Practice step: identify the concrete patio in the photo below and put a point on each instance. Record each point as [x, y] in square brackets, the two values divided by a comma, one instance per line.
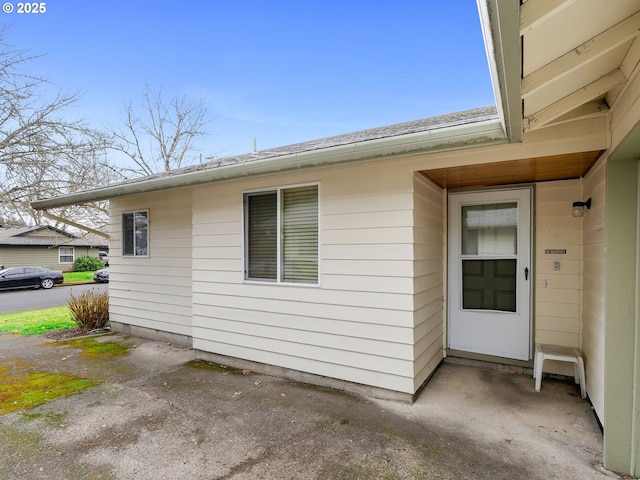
[158, 415]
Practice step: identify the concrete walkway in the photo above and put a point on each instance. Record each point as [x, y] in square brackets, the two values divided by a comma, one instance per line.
[157, 415]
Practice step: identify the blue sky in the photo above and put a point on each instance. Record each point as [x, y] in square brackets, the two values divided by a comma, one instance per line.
[278, 71]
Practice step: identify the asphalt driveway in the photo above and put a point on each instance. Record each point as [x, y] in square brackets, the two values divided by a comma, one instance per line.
[158, 414]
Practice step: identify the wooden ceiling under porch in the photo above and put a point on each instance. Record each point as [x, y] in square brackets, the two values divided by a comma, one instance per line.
[513, 172]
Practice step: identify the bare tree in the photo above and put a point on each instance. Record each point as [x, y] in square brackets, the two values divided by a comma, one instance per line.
[42, 178]
[42, 152]
[158, 133]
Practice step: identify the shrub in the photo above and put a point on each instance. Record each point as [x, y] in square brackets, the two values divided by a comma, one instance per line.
[90, 310]
[87, 264]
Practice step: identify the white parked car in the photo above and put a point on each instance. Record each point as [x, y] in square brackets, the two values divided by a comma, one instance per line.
[104, 256]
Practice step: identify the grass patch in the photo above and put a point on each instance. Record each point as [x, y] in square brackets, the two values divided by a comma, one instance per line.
[77, 277]
[97, 349]
[28, 390]
[35, 322]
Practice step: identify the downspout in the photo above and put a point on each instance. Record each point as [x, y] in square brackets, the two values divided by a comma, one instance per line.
[634, 417]
[51, 216]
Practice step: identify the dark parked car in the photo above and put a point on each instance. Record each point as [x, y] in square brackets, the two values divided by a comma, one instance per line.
[101, 276]
[29, 277]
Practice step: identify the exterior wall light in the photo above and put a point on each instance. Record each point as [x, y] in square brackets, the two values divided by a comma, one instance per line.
[578, 208]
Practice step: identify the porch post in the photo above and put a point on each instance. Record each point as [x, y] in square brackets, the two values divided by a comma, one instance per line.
[622, 323]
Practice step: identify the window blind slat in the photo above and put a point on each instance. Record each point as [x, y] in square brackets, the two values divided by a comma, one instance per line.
[300, 235]
[263, 236]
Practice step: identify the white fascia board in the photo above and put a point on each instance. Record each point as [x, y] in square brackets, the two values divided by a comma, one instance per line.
[456, 137]
[500, 22]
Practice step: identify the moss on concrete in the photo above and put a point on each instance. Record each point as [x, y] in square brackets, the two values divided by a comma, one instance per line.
[18, 448]
[51, 419]
[215, 367]
[97, 347]
[83, 471]
[26, 390]
[23, 452]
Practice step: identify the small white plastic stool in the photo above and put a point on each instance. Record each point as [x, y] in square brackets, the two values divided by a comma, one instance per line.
[561, 354]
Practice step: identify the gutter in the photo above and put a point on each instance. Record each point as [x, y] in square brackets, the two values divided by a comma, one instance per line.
[474, 134]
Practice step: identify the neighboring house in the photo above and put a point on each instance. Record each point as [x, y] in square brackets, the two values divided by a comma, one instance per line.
[369, 257]
[45, 246]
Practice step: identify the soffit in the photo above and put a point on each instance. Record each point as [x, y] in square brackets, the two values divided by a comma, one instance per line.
[538, 169]
[577, 57]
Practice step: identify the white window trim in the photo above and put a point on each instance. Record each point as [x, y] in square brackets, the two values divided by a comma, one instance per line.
[133, 255]
[245, 243]
[73, 255]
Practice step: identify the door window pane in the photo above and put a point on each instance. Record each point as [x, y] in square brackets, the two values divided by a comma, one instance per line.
[489, 285]
[490, 229]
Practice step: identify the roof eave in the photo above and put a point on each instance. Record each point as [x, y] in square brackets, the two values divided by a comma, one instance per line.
[456, 137]
[500, 21]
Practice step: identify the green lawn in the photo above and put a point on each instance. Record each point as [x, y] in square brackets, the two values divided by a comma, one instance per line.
[77, 277]
[35, 322]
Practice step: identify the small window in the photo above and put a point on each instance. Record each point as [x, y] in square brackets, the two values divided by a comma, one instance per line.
[281, 235]
[135, 239]
[66, 255]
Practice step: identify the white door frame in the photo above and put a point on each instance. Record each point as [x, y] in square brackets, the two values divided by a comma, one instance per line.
[491, 332]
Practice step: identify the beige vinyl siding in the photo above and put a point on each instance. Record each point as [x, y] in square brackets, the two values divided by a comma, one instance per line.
[557, 305]
[154, 291]
[593, 297]
[368, 321]
[14, 256]
[428, 279]
[357, 324]
[47, 257]
[376, 315]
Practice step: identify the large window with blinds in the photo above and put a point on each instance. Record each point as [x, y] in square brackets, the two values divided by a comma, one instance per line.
[281, 235]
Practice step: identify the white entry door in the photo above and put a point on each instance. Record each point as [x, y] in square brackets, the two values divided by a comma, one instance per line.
[490, 273]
